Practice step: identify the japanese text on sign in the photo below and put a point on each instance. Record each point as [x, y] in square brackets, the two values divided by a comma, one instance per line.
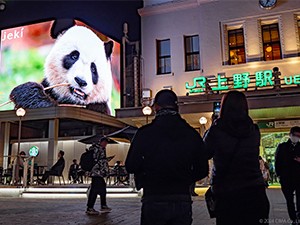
[240, 80]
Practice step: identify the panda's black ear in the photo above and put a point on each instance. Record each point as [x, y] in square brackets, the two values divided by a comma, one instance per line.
[61, 25]
[108, 48]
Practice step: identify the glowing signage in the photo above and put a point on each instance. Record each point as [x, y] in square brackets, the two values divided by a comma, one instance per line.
[200, 80]
[266, 125]
[263, 77]
[81, 67]
[239, 80]
[33, 151]
[220, 80]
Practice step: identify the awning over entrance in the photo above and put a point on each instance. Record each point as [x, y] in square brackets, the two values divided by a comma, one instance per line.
[94, 139]
[63, 112]
[126, 134]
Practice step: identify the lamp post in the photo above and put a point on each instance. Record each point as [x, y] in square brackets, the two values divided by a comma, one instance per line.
[20, 113]
[203, 121]
[147, 112]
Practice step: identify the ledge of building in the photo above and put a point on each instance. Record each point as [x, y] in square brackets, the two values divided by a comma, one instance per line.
[171, 6]
[262, 104]
[63, 112]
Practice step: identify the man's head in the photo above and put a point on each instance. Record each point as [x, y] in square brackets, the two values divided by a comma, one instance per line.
[74, 161]
[22, 153]
[295, 134]
[61, 153]
[166, 99]
[103, 142]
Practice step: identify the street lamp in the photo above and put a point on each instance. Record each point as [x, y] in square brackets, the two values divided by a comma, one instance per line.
[20, 113]
[147, 112]
[203, 121]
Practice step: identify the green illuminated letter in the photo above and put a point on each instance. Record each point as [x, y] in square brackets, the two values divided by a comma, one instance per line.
[288, 82]
[268, 77]
[259, 78]
[241, 80]
[220, 80]
[297, 79]
[191, 87]
[263, 77]
[200, 80]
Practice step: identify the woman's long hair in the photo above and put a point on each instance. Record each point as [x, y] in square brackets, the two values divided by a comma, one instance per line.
[233, 102]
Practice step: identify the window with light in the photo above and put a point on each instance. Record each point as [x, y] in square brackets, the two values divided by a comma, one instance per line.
[236, 47]
[271, 42]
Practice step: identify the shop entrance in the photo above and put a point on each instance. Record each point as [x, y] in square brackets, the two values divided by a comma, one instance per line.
[269, 144]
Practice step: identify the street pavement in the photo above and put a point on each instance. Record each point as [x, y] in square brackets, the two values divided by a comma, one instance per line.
[15, 211]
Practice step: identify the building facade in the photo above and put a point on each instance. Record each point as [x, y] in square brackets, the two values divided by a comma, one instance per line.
[229, 37]
[203, 48]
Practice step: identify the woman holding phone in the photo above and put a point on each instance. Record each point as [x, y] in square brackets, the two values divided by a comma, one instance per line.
[237, 183]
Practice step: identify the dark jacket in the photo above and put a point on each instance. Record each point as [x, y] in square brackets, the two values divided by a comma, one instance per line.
[233, 142]
[285, 166]
[100, 168]
[59, 166]
[73, 169]
[171, 154]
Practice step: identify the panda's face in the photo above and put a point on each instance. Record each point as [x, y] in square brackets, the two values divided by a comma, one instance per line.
[82, 75]
[79, 57]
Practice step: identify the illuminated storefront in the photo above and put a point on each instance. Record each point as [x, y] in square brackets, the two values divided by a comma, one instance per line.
[53, 129]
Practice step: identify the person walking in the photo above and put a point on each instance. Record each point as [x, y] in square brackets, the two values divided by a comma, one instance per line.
[236, 182]
[264, 170]
[287, 168]
[167, 156]
[98, 172]
[271, 171]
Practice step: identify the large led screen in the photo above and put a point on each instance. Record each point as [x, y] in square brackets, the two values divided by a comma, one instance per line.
[80, 67]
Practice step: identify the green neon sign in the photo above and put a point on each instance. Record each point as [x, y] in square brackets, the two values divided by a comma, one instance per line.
[240, 80]
[200, 80]
[266, 125]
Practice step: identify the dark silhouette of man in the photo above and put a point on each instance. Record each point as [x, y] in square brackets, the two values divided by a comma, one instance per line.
[75, 173]
[167, 155]
[56, 169]
[287, 168]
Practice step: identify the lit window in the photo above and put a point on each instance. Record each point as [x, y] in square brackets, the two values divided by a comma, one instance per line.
[271, 42]
[236, 47]
[163, 57]
[192, 57]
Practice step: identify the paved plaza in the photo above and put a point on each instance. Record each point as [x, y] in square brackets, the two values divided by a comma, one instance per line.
[125, 210]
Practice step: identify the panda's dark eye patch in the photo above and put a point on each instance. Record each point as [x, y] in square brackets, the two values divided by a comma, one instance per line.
[94, 73]
[70, 59]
